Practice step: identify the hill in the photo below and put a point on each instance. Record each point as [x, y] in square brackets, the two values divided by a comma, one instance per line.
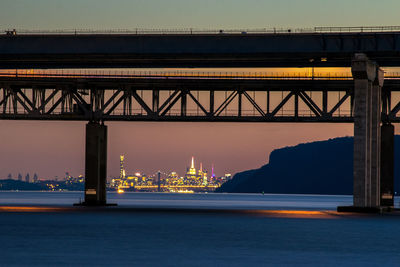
[323, 167]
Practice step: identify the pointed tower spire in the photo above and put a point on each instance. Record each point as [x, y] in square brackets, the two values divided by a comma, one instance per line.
[192, 170]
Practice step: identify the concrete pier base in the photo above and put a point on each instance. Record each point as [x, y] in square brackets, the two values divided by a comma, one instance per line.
[95, 165]
[355, 209]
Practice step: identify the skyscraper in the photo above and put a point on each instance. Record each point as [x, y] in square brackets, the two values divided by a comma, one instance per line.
[9, 176]
[212, 171]
[19, 177]
[35, 178]
[192, 170]
[200, 173]
[27, 178]
[121, 167]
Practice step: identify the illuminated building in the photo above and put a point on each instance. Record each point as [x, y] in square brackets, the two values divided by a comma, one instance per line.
[200, 174]
[173, 175]
[121, 167]
[192, 170]
[212, 171]
[191, 175]
[205, 182]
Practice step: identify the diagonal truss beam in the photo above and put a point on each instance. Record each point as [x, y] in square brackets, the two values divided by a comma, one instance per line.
[26, 99]
[341, 101]
[226, 102]
[254, 103]
[115, 105]
[142, 103]
[198, 103]
[168, 100]
[110, 100]
[171, 104]
[6, 95]
[310, 103]
[55, 105]
[283, 102]
[48, 99]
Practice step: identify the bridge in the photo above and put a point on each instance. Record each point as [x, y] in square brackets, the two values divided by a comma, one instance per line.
[365, 99]
[211, 97]
[319, 47]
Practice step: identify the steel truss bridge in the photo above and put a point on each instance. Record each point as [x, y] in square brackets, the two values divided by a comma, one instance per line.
[97, 97]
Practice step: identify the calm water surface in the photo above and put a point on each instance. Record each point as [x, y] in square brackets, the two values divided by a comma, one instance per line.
[268, 236]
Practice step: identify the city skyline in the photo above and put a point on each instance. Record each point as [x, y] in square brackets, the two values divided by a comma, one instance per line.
[234, 146]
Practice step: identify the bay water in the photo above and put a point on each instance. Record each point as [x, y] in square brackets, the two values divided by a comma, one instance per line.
[157, 229]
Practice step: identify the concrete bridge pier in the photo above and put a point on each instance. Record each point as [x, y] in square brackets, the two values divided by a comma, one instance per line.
[95, 164]
[366, 160]
[387, 165]
[368, 82]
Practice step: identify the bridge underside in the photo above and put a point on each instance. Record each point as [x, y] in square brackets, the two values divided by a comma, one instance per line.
[284, 49]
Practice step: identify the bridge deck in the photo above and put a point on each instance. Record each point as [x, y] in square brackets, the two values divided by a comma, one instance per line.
[244, 49]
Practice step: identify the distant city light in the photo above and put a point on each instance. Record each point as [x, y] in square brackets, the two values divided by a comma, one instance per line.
[195, 180]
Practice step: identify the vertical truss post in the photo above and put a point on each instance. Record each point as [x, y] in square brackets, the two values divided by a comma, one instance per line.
[156, 100]
[14, 99]
[324, 102]
[240, 102]
[183, 103]
[127, 106]
[211, 103]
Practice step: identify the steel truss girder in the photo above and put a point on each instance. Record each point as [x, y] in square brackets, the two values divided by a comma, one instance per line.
[126, 102]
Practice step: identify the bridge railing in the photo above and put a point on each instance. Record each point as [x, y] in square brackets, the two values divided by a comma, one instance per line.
[99, 74]
[138, 31]
[189, 31]
[359, 29]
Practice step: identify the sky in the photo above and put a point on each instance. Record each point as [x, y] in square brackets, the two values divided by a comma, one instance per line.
[128, 14]
[52, 148]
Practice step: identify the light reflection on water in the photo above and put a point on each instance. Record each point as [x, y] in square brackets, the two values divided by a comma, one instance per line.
[169, 200]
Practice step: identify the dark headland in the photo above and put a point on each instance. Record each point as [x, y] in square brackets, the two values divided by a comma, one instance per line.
[323, 167]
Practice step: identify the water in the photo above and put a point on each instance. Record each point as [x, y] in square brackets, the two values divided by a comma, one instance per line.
[170, 200]
[268, 230]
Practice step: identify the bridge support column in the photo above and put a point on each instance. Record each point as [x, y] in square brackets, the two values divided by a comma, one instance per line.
[387, 165]
[376, 117]
[95, 164]
[368, 81]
